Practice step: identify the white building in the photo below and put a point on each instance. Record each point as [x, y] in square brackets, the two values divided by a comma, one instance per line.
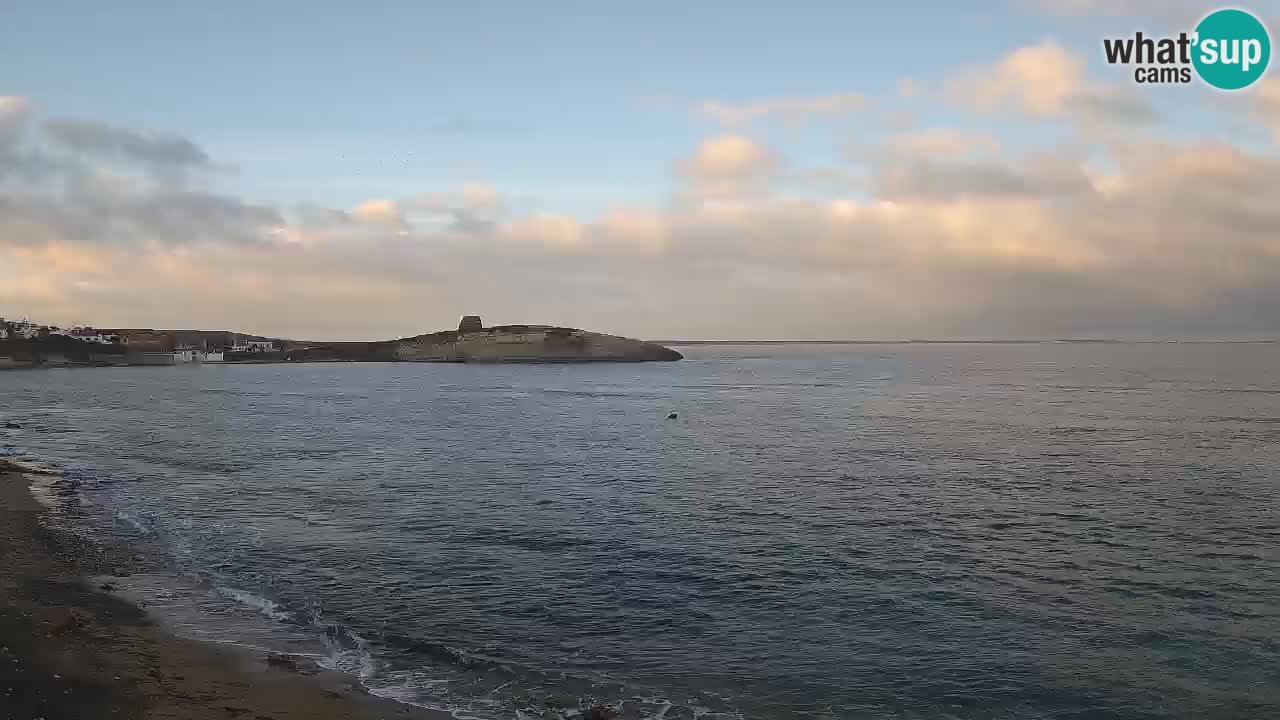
[87, 334]
[163, 357]
[253, 346]
[25, 329]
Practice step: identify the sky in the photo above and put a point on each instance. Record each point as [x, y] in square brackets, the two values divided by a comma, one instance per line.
[710, 170]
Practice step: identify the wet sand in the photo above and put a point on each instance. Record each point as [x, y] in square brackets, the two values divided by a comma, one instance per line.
[69, 649]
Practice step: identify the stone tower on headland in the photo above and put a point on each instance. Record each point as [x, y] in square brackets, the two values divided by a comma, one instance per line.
[470, 323]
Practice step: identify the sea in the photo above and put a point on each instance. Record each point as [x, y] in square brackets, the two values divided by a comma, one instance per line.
[917, 530]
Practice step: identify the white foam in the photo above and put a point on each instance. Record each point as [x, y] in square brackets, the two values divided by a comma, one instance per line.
[34, 467]
[138, 525]
[663, 707]
[43, 488]
[257, 602]
[357, 661]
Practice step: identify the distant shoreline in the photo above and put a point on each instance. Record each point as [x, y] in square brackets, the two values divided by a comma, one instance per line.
[7, 363]
[965, 342]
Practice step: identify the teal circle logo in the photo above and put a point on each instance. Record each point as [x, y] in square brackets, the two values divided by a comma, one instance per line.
[1232, 49]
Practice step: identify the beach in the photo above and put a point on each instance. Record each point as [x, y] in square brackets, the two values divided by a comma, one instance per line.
[70, 649]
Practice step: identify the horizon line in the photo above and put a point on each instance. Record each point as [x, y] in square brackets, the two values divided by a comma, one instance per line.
[1004, 341]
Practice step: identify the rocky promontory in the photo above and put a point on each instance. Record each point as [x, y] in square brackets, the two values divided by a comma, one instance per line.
[472, 342]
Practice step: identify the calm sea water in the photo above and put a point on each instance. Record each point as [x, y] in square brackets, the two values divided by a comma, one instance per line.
[871, 531]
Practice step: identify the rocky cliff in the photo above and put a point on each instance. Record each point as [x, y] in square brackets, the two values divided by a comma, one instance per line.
[525, 343]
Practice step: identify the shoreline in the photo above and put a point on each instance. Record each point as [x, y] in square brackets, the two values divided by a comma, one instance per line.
[69, 648]
[327, 361]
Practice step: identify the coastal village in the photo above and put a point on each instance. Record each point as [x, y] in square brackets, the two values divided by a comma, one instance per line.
[24, 343]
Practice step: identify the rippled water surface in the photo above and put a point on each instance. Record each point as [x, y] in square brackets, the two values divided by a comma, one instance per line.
[868, 531]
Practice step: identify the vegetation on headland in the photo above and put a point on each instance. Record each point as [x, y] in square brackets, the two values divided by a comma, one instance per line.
[58, 348]
[526, 343]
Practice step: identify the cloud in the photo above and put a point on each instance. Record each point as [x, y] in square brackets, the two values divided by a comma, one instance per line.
[643, 229]
[1266, 109]
[182, 217]
[951, 235]
[792, 111]
[470, 209]
[161, 152]
[729, 166]
[323, 293]
[98, 213]
[1042, 246]
[13, 113]
[922, 178]
[481, 196]
[1047, 81]
[379, 212]
[554, 231]
[13, 118]
[942, 141]
[1038, 79]
[1111, 106]
[75, 201]
[942, 164]
[730, 156]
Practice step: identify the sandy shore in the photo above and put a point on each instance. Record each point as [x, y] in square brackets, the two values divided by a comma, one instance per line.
[71, 650]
